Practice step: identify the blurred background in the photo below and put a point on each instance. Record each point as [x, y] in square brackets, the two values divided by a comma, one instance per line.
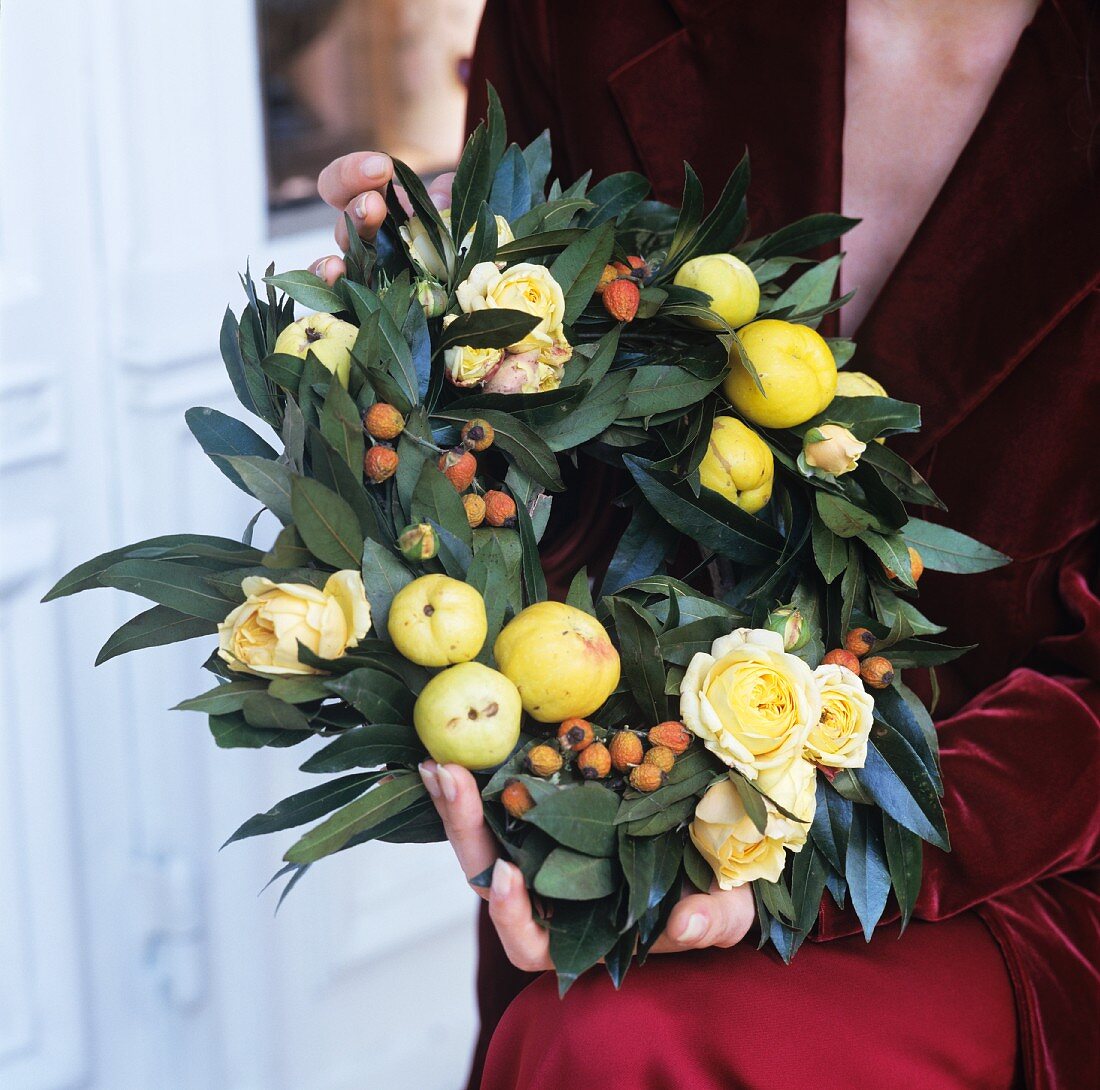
[146, 150]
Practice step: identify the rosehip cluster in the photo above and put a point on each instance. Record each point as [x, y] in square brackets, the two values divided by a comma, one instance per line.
[876, 671]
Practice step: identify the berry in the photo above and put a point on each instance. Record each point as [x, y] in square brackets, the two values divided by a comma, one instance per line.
[594, 761]
[418, 542]
[383, 421]
[516, 798]
[475, 509]
[626, 750]
[647, 777]
[544, 761]
[459, 467]
[380, 463]
[860, 641]
[877, 672]
[500, 508]
[478, 434]
[661, 756]
[621, 299]
[843, 658]
[575, 734]
[672, 735]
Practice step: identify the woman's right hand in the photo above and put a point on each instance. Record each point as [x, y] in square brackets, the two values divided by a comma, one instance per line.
[356, 184]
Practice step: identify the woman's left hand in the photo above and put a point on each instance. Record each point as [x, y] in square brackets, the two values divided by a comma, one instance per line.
[719, 918]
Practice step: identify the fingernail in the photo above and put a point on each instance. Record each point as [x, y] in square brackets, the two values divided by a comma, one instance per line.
[361, 206]
[502, 879]
[320, 267]
[431, 782]
[694, 928]
[447, 783]
[375, 166]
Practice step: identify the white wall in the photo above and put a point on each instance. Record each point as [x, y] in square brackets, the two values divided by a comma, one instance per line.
[133, 954]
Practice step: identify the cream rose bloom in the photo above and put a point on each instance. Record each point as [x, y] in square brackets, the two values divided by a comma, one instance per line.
[262, 634]
[839, 738]
[471, 366]
[832, 449]
[524, 373]
[733, 846]
[751, 703]
[428, 259]
[526, 287]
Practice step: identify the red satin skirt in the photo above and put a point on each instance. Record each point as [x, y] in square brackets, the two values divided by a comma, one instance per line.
[932, 1010]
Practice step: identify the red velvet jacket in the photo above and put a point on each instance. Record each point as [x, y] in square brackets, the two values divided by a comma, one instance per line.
[991, 321]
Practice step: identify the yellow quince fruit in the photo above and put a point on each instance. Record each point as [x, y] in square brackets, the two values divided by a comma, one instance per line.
[738, 464]
[436, 621]
[327, 337]
[560, 658]
[857, 384]
[469, 715]
[733, 290]
[796, 369]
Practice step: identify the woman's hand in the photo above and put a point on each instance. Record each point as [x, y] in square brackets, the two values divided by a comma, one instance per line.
[357, 184]
[718, 918]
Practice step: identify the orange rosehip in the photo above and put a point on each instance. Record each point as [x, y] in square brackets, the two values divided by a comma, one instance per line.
[478, 434]
[383, 421]
[380, 463]
[475, 509]
[500, 508]
[609, 273]
[575, 734]
[672, 735]
[860, 641]
[459, 467]
[544, 761]
[843, 658]
[516, 798]
[877, 672]
[647, 777]
[621, 299]
[594, 761]
[661, 756]
[626, 750]
[916, 566]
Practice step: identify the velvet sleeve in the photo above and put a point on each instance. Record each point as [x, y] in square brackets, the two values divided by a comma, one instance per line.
[1021, 771]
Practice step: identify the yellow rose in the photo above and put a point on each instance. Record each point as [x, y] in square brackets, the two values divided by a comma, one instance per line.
[523, 373]
[832, 449]
[471, 366]
[733, 846]
[262, 634]
[839, 738]
[526, 287]
[794, 787]
[751, 703]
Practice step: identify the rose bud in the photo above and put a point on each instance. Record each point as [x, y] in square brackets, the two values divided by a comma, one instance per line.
[860, 641]
[418, 542]
[432, 297]
[575, 734]
[672, 735]
[544, 761]
[789, 624]
[594, 761]
[832, 449]
[516, 798]
[843, 658]
[877, 672]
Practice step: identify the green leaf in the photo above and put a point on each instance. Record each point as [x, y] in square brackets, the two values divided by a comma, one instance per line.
[577, 268]
[384, 574]
[752, 801]
[803, 234]
[534, 579]
[571, 876]
[268, 481]
[342, 426]
[305, 806]
[383, 802]
[697, 869]
[309, 290]
[536, 243]
[808, 874]
[579, 595]
[691, 212]
[613, 197]
[832, 824]
[222, 699]
[178, 586]
[843, 517]
[830, 551]
[510, 196]
[947, 550]
[537, 157]
[435, 499]
[868, 417]
[904, 859]
[581, 932]
[326, 523]
[722, 225]
[472, 183]
[599, 410]
[866, 869]
[487, 329]
[681, 644]
[369, 746]
[377, 696]
[582, 818]
[328, 466]
[642, 665]
[892, 551]
[232, 732]
[645, 543]
[219, 434]
[658, 389]
[813, 289]
[154, 628]
[264, 711]
[651, 865]
[899, 476]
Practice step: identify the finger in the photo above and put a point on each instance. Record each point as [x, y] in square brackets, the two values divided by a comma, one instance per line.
[525, 942]
[345, 178]
[439, 189]
[458, 802]
[721, 918]
[367, 211]
[329, 269]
